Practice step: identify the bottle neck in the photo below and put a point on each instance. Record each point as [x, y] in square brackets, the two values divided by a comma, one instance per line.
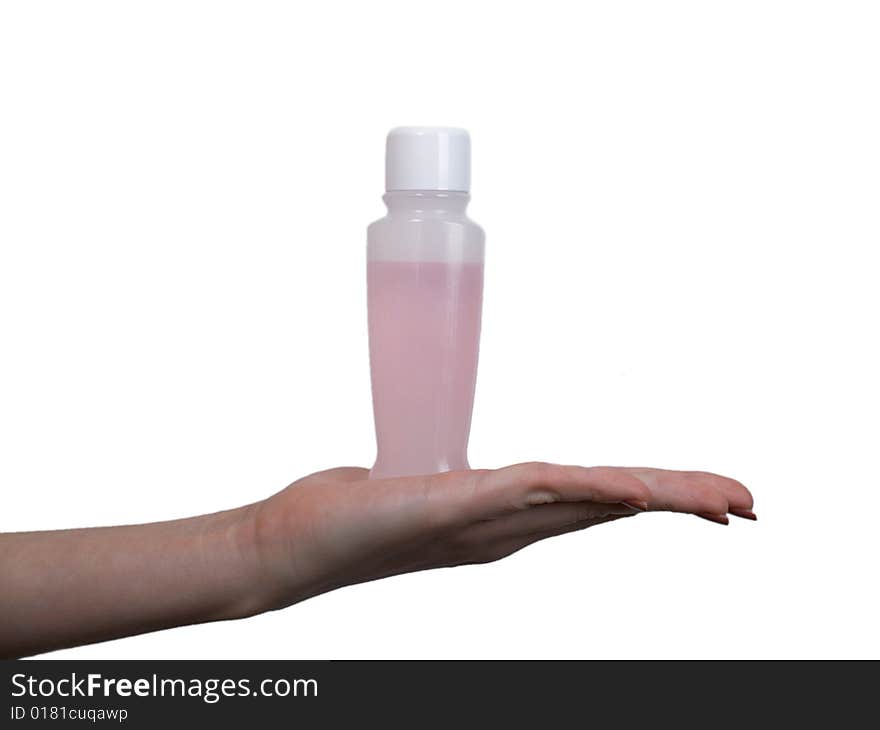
[434, 203]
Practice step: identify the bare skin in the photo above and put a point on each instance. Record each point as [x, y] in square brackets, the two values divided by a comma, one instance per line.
[327, 530]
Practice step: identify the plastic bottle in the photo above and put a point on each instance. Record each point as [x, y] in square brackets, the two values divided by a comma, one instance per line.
[425, 292]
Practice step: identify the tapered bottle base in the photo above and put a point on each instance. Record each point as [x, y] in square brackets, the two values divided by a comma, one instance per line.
[380, 471]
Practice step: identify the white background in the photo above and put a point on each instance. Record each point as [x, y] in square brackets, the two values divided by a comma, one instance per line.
[681, 202]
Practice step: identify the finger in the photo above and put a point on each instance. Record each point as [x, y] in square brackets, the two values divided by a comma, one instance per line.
[519, 487]
[718, 519]
[739, 498]
[541, 519]
[575, 527]
[509, 546]
[681, 491]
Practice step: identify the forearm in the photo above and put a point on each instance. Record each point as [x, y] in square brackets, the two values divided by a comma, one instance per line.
[71, 587]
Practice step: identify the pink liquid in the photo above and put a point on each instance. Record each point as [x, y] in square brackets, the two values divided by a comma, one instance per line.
[424, 338]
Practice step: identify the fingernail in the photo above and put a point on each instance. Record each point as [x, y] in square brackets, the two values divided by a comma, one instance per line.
[719, 519]
[746, 514]
[637, 504]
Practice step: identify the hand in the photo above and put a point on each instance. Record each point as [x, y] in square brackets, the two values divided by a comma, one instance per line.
[335, 527]
[330, 529]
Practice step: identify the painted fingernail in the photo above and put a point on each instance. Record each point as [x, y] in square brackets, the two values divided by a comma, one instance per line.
[637, 504]
[719, 519]
[746, 514]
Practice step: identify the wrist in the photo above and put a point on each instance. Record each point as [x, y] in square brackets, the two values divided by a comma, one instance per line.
[231, 549]
[262, 542]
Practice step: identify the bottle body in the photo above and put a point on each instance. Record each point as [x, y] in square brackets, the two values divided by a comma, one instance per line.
[425, 291]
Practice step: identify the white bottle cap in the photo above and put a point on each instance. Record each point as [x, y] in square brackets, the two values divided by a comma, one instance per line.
[428, 158]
